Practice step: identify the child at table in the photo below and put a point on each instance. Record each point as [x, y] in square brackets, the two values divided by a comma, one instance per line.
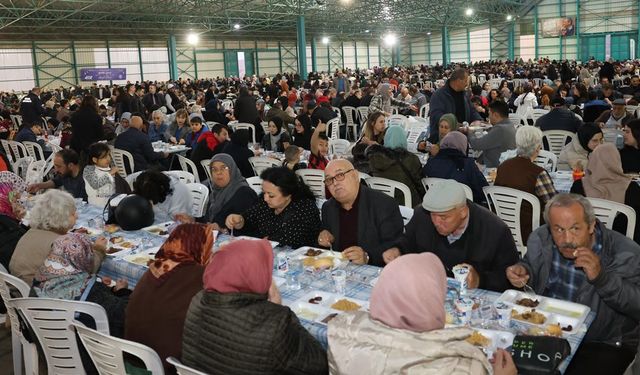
[319, 148]
[292, 158]
[98, 175]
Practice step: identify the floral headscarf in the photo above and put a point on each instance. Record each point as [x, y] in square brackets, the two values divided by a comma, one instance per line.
[11, 186]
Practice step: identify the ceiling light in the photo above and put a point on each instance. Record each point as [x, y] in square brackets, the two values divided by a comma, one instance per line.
[366, 31]
[193, 38]
[325, 40]
[468, 12]
[390, 39]
[236, 26]
[509, 17]
[428, 32]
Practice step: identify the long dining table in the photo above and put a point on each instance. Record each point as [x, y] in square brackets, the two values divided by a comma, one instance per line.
[359, 282]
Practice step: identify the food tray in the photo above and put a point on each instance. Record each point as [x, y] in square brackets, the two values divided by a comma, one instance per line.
[329, 299]
[300, 253]
[122, 248]
[498, 339]
[159, 229]
[141, 258]
[556, 311]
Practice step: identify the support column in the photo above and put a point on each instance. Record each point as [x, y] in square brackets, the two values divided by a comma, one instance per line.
[314, 62]
[302, 47]
[355, 48]
[445, 45]
[328, 58]
[512, 44]
[490, 43]
[140, 62]
[74, 63]
[396, 54]
[195, 64]
[560, 38]
[109, 60]
[255, 58]
[638, 36]
[369, 55]
[429, 49]
[468, 46]
[279, 56]
[35, 63]
[173, 60]
[535, 32]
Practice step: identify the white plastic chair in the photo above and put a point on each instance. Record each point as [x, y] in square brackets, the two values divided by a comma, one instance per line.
[314, 178]
[557, 139]
[187, 165]
[389, 187]
[398, 120]
[22, 349]
[537, 113]
[507, 204]
[17, 121]
[132, 177]
[547, 160]
[34, 150]
[406, 213]
[260, 163]
[243, 125]
[334, 126]
[35, 172]
[227, 105]
[351, 114]
[186, 177]
[7, 150]
[255, 183]
[18, 149]
[428, 182]
[50, 320]
[183, 369]
[123, 160]
[363, 176]
[206, 165]
[106, 352]
[424, 110]
[200, 196]
[606, 211]
[517, 120]
[339, 146]
[363, 113]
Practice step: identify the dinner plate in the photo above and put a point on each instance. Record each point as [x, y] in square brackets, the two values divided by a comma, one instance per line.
[161, 229]
[301, 253]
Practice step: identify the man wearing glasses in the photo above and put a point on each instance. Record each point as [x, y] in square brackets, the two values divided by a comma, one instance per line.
[575, 258]
[358, 221]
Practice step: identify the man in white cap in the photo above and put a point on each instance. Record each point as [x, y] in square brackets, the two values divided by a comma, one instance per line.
[459, 232]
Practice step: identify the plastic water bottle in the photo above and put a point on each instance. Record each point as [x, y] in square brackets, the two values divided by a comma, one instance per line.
[282, 263]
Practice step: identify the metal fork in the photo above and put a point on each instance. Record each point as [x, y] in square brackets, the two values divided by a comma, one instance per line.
[528, 289]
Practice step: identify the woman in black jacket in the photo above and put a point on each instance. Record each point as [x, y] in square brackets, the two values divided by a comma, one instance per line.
[237, 324]
[245, 110]
[86, 126]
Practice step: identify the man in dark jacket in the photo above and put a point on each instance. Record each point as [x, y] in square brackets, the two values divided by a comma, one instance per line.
[451, 98]
[358, 221]
[31, 107]
[30, 132]
[139, 145]
[459, 232]
[320, 113]
[575, 258]
[559, 118]
[153, 100]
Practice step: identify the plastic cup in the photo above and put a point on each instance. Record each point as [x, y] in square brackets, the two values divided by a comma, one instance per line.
[339, 281]
[504, 314]
[464, 307]
[460, 273]
[293, 274]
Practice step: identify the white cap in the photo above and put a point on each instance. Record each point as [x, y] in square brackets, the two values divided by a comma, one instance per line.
[444, 196]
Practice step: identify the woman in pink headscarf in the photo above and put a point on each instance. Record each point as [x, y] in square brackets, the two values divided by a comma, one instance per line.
[404, 330]
[236, 324]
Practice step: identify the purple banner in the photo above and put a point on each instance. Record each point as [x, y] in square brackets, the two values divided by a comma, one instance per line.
[103, 74]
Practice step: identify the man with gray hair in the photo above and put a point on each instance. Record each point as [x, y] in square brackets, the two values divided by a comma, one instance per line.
[523, 174]
[459, 232]
[158, 128]
[574, 257]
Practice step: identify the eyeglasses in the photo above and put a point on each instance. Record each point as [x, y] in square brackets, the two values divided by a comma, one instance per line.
[219, 170]
[338, 177]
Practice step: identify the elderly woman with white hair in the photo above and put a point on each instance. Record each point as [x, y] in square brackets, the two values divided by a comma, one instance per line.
[53, 215]
[158, 127]
[523, 174]
[383, 100]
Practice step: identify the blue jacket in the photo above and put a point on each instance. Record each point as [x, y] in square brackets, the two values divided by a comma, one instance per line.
[139, 145]
[452, 164]
[157, 134]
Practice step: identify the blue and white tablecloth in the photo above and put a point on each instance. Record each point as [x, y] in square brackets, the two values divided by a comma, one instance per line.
[359, 280]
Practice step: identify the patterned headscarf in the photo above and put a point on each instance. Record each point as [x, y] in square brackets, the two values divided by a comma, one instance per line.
[188, 243]
[67, 269]
[11, 186]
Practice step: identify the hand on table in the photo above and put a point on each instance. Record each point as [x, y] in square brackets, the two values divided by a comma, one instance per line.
[356, 255]
[34, 188]
[325, 238]
[173, 140]
[517, 275]
[234, 221]
[502, 363]
[100, 244]
[473, 279]
[588, 261]
[390, 255]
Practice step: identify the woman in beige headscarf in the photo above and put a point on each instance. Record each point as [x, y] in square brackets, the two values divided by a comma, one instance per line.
[605, 179]
[404, 331]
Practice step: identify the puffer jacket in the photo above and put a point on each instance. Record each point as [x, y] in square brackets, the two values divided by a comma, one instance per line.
[361, 345]
[573, 154]
[243, 333]
[385, 162]
[614, 295]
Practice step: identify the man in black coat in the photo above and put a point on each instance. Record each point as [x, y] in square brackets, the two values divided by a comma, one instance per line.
[31, 107]
[153, 100]
[559, 118]
[459, 232]
[358, 221]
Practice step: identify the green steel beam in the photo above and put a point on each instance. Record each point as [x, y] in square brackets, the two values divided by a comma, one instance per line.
[535, 32]
[561, 39]
[638, 36]
[468, 46]
[429, 49]
[279, 55]
[302, 48]
[328, 58]
[314, 58]
[35, 63]
[379, 55]
[195, 63]
[256, 60]
[410, 54]
[342, 52]
[109, 60]
[173, 59]
[355, 48]
[578, 44]
[369, 55]
[140, 62]
[74, 63]
[445, 45]
[490, 42]
[512, 41]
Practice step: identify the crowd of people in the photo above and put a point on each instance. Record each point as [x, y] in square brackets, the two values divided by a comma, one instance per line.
[214, 306]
